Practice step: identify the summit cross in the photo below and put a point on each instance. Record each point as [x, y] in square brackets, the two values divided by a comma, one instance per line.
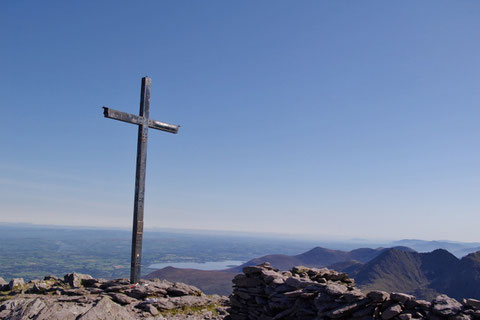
[143, 122]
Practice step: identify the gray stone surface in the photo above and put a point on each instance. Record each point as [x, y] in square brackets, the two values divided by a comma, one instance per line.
[473, 303]
[331, 295]
[446, 306]
[16, 284]
[401, 297]
[80, 297]
[75, 279]
[262, 293]
[392, 311]
[378, 296]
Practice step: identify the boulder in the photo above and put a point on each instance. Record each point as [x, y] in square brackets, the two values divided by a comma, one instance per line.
[446, 306]
[3, 285]
[401, 297]
[354, 295]
[137, 293]
[106, 309]
[16, 284]
[378, 296]
[392, 311]
[40, 287]
[474, 303]
[121, 298]
[335, 289]
[182, 289]
[75, 279]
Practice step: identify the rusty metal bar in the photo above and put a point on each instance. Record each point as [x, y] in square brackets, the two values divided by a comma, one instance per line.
[137, 233]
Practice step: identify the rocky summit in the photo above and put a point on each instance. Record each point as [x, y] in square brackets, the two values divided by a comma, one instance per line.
[81, 297]
[259, 293]
[265, 293]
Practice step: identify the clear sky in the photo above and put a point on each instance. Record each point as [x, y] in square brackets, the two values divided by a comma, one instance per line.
[333, 118]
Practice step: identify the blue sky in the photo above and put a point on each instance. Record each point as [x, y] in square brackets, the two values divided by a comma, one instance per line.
[330, 118]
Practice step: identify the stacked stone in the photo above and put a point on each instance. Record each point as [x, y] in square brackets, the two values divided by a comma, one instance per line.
[79, 296]
[265, 293]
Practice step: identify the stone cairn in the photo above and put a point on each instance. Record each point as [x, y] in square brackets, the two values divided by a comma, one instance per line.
[81, 297]
[264, 293]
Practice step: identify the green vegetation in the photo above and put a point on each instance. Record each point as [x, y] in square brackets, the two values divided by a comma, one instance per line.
[191, 309]
[31, 252]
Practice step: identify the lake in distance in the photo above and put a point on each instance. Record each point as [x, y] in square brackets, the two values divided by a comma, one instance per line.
[209, 265]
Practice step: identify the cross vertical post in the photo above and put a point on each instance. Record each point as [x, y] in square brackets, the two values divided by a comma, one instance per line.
[144, 122]
[137, 232]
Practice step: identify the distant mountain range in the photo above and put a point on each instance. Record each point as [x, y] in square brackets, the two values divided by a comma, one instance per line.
[459, 249]
[401, 269]
[424, 275]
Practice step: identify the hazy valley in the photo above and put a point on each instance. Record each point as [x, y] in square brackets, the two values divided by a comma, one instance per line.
[33, 251]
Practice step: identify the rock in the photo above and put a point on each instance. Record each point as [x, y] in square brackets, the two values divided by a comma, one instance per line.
[4, 285]
[283, 314]
[95, 290]
[75, 279]
[165, 304]
[335, 289]
[422, 304]
[302, 269]
[378, 296]
[401, 297]
[16, 284]
[117, 288]
[121, 298]
[45, 308]
[474, 303]
[92, 283]
[354, 295]
[182, 289]
[75, 292]
[147, 307]
[40, 287]
[345, 310]
[270, 276]
[446, 306]
[112, 283]
[244, 282]
[392, 311]
[364, 312]
[138, 293]
[153, 311]
[60, 301]
[309, 293]
[190, 301]
[52, 277]
[299, 282]
[106, 309]
[460, 317]
[253, 270]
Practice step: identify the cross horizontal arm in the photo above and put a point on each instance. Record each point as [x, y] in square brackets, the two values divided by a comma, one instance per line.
[154, 124]
[132, 118]
[122, 116]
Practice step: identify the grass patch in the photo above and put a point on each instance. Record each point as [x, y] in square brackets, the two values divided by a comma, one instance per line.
[5, 295]
[191, 309]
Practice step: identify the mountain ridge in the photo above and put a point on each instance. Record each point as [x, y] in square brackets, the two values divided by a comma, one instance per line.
[399, 269]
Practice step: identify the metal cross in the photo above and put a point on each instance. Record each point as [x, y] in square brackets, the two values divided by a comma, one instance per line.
[143, 122]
